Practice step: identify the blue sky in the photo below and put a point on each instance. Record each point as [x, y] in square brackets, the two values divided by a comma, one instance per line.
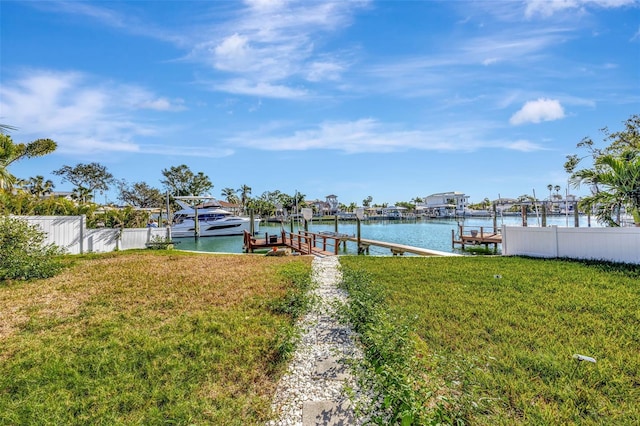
[393, 99]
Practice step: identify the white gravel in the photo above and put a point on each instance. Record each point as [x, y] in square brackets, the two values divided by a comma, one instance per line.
[323, 339]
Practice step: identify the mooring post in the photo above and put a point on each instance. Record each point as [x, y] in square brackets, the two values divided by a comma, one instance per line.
[495, 219]
[196, 228]
[359, 216]
[358, 235]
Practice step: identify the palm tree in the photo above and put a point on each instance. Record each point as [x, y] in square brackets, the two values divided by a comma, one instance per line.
[82, 194]
[244, 191]
[5, 128]
[415, 202]
[38, 186]
[230, 195]
[615, 184]
[11, 152]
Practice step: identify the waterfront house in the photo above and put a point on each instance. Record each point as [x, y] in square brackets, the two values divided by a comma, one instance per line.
[444, 204]
[327, 207]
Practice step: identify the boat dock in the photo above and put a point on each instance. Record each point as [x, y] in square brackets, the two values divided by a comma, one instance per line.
[328, 244]
[306, 243]
[476, 236]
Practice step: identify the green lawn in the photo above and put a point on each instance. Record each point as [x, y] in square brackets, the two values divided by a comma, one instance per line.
[149, 338]
[490, 340]
[152, 337]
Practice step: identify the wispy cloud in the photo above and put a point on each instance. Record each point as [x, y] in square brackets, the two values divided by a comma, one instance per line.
[259, 89]
[546, 8]
[368, 135]
[84, 116]
[129, 23]
[273, 44]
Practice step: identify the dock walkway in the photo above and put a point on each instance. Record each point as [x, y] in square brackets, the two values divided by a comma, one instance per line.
[328, 244]
[475, 237]
[397, 249]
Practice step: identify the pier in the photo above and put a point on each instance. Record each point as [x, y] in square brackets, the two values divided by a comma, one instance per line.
[476, 236]
[306, 243]
[396, 249]
[328, 244]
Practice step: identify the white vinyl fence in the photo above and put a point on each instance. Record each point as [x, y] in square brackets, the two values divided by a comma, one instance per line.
[70, 233]
[611, 244]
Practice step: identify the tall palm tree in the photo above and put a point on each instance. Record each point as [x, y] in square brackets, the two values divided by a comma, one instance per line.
[244, 191]
[615, 184]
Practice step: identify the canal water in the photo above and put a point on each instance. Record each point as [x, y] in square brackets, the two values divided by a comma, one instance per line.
[429, 233]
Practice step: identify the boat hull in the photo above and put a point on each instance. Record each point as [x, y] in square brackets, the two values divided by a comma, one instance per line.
[217, 228]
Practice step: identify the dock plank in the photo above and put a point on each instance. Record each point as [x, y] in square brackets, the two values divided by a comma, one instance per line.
[401, 248]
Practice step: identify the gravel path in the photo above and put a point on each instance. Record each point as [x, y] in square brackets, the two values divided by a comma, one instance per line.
[313, 391]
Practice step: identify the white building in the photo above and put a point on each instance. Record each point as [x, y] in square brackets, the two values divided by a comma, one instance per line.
[444, 204]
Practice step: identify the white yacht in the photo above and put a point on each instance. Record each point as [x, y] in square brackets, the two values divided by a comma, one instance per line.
[213, 221]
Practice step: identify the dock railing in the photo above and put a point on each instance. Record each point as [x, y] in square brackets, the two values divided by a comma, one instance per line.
[311, 242]
[303, 242]
[476, 235]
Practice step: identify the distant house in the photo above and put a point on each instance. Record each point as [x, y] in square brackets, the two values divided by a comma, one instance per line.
[332, 202]
[444, 204]
[504, 204]
[327, 207]
[59, 194]
[393, 212]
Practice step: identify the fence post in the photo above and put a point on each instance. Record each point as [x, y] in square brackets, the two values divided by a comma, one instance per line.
[82, 219]
[505, 250]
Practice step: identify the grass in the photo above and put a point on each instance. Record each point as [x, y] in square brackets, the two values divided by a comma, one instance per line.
[490, 340]
[149, 337]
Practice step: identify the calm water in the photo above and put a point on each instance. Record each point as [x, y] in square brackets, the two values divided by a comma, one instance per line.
[430, 234]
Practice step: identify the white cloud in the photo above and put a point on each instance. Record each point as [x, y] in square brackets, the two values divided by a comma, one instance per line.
[233, 53]
[546, 8]
[261, 89]
[81, 115]
[274, 43]
[539, 110]
[368, 135]
[324, 70]
[490, 61]
[524, 146]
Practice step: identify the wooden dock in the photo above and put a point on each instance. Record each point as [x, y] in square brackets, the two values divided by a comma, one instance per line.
[476, 236]
[396, 249]
[306, 243]
[328, 244]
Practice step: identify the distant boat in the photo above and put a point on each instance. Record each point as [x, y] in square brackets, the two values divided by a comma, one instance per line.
[213, 221]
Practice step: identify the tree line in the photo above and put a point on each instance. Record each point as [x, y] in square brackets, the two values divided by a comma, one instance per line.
[613, 178]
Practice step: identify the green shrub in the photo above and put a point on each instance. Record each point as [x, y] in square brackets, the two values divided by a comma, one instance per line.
[23, 254]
